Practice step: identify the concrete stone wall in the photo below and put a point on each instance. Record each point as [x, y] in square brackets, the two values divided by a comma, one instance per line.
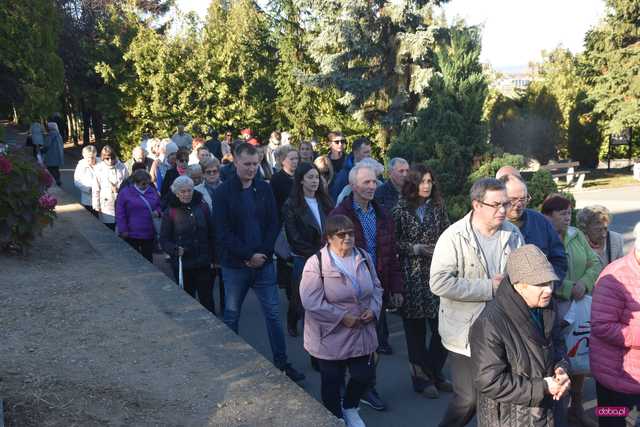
[92, 334]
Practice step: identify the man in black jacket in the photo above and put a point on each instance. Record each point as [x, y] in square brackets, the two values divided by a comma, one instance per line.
[517, 364]
[247, 225]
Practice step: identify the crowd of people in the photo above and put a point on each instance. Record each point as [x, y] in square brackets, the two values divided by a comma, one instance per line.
[489, 292]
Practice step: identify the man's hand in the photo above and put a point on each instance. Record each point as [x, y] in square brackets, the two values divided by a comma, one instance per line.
[367, 316]
[397, 300]
[256, 261]
[578, 290]
[351, 321]
[496, 280]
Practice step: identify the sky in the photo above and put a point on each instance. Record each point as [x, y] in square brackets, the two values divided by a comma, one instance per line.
[514, 31]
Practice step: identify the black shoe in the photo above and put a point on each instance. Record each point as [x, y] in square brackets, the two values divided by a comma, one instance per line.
[292, 373]
[373, 399]
[444, 385]
[384, 349]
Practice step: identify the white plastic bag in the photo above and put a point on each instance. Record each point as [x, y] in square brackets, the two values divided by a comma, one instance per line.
[180, 277]
[577, 340]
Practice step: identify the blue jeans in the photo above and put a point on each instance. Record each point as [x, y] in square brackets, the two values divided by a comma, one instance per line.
[237, 282]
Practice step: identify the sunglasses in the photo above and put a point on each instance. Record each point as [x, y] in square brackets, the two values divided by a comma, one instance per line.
[182, 160]
[339, 141]
[344, 234]
[211, 172]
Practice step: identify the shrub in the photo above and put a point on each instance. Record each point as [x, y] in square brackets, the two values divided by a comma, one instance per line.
[25, 206]
[540, 184]
[490, 167]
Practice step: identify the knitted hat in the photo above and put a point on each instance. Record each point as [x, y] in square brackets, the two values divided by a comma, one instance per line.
[246, 132]
[254, 142]
[529, 265]
[170, 149]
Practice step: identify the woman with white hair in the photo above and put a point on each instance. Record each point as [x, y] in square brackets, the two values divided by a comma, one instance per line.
[187, 235]
[615, 337]
[594, 222]
[53, 150]
[109, 175]
[84, 174]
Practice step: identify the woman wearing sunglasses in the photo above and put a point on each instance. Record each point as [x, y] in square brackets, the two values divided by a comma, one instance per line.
[109, 175]
[342, 297]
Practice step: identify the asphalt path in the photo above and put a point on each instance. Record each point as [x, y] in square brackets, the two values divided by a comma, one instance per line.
[406, 408]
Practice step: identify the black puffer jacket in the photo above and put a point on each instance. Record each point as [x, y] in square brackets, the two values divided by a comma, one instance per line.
[303, 232]
[191, 227]
[510, 359]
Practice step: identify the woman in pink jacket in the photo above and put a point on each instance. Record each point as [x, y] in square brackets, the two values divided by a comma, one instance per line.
[615, 336]
[342, 296]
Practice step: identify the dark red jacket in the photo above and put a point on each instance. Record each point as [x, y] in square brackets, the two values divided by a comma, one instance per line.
[387, 262]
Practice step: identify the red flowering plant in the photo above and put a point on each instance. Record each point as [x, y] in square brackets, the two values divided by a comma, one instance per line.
[25, 206]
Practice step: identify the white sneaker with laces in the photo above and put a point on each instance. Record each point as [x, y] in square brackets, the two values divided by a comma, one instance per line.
[352, 418]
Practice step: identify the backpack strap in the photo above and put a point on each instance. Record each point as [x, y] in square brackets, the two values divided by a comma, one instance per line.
[366, 261]
[609, 246]
[319, 256]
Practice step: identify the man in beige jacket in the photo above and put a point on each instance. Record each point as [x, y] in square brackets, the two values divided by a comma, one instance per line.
[468, 265]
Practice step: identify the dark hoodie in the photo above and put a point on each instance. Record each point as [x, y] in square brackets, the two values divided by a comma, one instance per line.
[190, 226]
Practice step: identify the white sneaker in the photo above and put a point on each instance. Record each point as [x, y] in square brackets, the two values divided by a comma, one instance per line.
[352, 418]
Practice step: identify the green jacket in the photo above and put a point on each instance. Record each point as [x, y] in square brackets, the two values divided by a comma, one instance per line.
[583, 263]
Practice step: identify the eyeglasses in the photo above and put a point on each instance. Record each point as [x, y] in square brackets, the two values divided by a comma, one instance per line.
[344, 234]
[211, 171]
[522, 200]
[496, 206]
[182, 160]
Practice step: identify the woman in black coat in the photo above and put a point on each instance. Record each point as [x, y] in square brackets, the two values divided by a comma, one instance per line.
[304, 214]
[187, 232]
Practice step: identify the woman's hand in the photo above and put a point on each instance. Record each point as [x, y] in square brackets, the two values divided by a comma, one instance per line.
[578, 291]
[367, 316]
[351, 321]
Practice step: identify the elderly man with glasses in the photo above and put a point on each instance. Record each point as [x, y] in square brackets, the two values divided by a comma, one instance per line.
[535, 228]
[467, 268]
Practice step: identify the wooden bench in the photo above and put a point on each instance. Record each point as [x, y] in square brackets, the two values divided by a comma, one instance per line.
[566, 170]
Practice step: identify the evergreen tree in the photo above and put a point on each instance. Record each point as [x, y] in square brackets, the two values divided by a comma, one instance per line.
[612, 59]
[450, 131]
[377, 54]
[31, 72]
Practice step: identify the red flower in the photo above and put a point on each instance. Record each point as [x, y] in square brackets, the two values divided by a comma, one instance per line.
[5, 165]
[47, 201]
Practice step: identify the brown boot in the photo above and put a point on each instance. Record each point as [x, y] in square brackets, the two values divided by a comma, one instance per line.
[577, 417]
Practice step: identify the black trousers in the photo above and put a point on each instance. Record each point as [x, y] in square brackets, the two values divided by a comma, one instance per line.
[198, 280]
[431, 359]
[332, 374]
[608, 398]
[91, 210]
[143, 246]
[382, 329]
[111, 226]
[55, 173]
[462, 406]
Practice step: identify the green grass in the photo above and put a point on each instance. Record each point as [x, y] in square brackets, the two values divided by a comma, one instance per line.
[601, 178]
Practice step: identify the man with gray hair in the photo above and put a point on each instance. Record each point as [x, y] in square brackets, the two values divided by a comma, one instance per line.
[467, 267]
[139, 155]
[374, 231]
[387, 194]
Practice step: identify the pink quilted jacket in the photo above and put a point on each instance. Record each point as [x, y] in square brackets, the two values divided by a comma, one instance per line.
[615, 326]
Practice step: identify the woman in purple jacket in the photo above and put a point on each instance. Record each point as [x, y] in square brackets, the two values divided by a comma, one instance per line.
[342, 297]
[137, 206]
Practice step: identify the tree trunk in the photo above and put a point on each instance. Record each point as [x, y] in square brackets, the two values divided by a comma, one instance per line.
[86, 124]
[96, 120]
